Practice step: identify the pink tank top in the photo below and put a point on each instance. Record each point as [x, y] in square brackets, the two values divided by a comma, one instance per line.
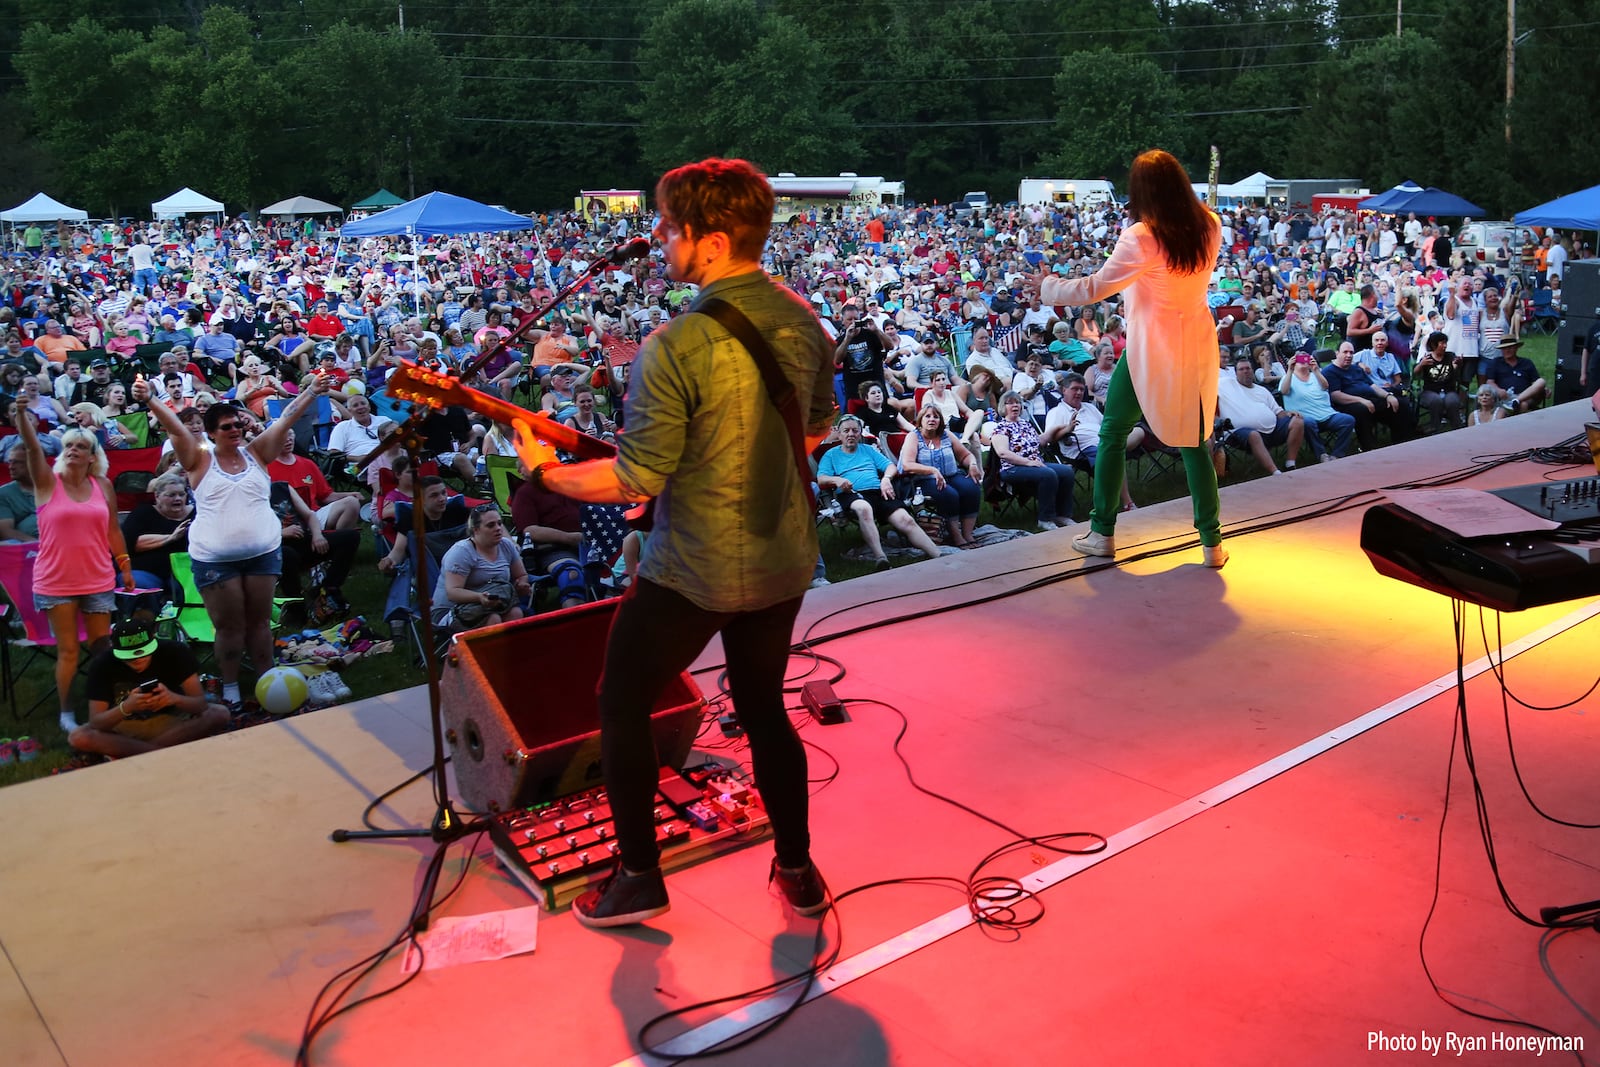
[74, 555]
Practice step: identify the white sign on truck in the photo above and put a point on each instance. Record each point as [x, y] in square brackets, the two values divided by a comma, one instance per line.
[1079, 191]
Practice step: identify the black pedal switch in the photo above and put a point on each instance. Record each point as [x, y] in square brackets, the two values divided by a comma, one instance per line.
[823, 704]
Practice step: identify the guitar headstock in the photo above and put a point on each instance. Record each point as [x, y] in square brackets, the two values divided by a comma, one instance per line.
[420, 385]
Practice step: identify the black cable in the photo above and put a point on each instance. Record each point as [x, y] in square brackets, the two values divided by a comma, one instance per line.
[1548, 938]
[830, 777]
[316, 1023]
[997, 903]
[805, 980]
[366, 814]
[1460, 732]
[1498, 669]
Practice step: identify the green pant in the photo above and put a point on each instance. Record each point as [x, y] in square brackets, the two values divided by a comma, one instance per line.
[1111, 461]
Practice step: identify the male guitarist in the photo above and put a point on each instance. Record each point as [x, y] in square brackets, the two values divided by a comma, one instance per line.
[734, 540]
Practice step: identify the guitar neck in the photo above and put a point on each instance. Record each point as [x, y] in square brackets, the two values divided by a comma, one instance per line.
[411, 382]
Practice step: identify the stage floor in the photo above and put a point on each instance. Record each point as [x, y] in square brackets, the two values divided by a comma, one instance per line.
[1264, 748]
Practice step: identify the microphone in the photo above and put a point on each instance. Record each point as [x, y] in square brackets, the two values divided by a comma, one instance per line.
[633, 248]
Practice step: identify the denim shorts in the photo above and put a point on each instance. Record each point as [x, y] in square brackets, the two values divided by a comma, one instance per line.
[208, 573]
[88, 603]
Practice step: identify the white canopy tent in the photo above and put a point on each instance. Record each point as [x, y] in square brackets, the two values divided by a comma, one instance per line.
[303, 205]
[1251, 188]
[43, 208]
[185, 202]
[1230, 193]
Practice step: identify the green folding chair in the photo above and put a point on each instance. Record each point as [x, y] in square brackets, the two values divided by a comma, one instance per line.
[136, 427]
[501, 470]
[194, 622]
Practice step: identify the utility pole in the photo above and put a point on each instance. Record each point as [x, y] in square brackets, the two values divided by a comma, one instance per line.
[411, 177]
[1399, 16]
[1511, 62]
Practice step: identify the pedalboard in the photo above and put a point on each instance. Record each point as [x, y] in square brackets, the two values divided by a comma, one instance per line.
[559, 849]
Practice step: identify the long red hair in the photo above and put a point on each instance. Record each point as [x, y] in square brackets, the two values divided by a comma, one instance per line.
[1160, 196]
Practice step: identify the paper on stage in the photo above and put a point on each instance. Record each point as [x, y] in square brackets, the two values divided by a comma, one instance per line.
[1469, 512]
[491, 936]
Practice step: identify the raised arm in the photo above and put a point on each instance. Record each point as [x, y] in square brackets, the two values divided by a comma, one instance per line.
[38, 463]
[269, 443]
[184, 445]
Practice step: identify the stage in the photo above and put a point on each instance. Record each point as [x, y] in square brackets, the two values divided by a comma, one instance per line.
[1264, 750]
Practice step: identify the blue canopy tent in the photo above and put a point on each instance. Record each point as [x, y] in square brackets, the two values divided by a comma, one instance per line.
[1433, 201]
[436, 215]
[1385, 200]
[1575, 211]
[431, 215]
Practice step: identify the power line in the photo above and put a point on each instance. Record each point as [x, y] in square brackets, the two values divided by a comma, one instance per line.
[543, 122]
[1236, 111]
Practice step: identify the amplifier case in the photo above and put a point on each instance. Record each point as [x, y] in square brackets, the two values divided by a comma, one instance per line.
[1574, 331]
[520, 718]
[1580, 289]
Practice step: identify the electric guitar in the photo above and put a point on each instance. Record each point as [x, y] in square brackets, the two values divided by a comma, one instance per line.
[536, 434]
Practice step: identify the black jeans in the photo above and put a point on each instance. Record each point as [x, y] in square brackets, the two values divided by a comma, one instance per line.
[655, 635]
[299, 558]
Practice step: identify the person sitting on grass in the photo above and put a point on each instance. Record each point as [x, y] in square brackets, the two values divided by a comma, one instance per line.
[144, 693]
[862, 480]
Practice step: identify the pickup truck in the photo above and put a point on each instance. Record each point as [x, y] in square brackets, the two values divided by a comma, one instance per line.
[974, 202]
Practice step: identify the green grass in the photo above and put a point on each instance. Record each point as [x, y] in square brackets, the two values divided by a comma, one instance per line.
[383, 674]
[369, 677]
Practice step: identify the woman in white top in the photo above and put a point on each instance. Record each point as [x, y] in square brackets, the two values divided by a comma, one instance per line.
[1162, 264]
[955, 411]
[235, 540]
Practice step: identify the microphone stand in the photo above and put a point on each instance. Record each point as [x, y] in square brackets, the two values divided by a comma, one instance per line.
[447, 825]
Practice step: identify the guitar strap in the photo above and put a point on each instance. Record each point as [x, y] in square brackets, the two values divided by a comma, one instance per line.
[779, 388]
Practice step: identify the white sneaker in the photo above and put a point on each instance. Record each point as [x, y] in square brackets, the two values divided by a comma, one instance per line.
[69, 722]
[1095, 544]
[1216, 556]
[323, 689]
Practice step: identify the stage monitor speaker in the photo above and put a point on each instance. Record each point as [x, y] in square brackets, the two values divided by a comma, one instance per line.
[519, 710]
[1580, 289]
[1570, 339]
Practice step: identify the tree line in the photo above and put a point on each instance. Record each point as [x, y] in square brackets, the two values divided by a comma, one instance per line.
[110, 104]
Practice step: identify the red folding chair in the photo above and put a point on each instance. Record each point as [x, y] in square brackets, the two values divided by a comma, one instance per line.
[16, 582]
[133, 462]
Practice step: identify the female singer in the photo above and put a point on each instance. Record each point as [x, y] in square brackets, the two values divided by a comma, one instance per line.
[1169, 372]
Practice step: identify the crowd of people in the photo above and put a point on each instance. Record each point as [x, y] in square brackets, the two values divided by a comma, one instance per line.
[220, 341]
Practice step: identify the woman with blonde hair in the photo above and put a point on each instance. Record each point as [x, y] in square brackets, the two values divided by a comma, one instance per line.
[257, 387]
[90, 417]
[81, 550]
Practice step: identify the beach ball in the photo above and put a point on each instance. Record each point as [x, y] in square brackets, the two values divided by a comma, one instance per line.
[353, 386]
[281, 690]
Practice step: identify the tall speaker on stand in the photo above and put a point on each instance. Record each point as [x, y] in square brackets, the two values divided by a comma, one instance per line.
[1580, 290]
[1570, 340]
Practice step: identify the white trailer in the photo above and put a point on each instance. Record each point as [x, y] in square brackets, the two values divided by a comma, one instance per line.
[1083, 192]
[847, 196]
